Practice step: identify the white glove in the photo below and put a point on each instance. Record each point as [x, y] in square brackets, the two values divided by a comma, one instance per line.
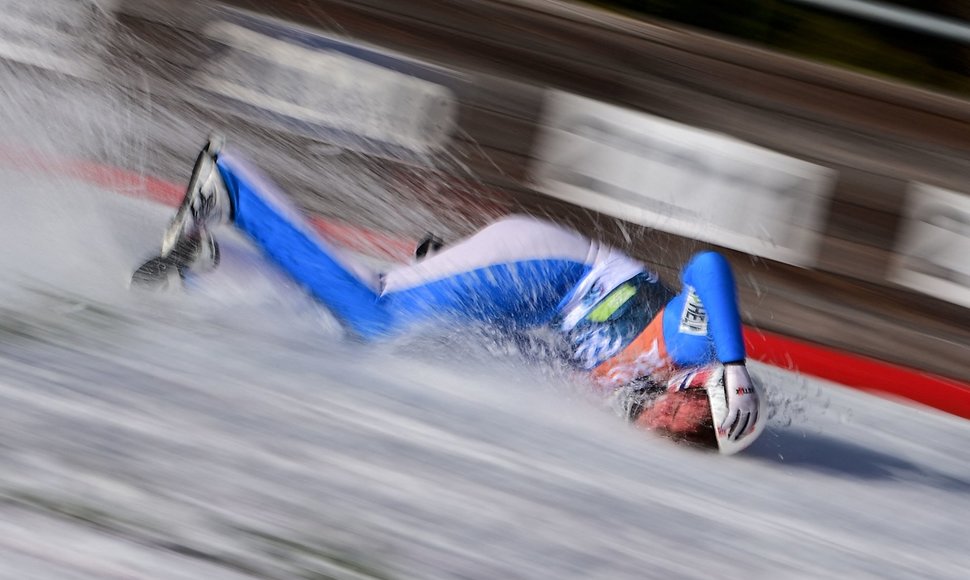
[742, 403]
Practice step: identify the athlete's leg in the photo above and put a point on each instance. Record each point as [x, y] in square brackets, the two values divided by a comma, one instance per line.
[276, 225]
[515, 271]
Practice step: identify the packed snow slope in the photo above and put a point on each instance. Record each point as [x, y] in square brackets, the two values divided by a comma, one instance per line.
[230, 431]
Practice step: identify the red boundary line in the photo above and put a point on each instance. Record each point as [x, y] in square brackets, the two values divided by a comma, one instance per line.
[133, 184]
[860, 372]
[851, 370]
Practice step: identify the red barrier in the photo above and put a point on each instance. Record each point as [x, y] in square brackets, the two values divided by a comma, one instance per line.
[859, 372]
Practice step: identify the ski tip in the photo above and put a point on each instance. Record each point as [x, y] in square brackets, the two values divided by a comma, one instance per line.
[157, 274]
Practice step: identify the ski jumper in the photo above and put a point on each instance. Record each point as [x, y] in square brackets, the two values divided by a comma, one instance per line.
[617, 319]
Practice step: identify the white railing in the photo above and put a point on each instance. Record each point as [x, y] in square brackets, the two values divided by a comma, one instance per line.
[897, 16]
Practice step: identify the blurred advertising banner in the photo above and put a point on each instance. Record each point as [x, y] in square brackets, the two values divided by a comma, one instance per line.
[680, 179]
[60, 35]
[933, 249]
[326, 87]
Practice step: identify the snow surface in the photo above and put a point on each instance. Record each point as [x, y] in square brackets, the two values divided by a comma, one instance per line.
[231, 432]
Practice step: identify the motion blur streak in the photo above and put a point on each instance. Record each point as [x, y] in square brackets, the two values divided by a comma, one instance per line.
[229, 432]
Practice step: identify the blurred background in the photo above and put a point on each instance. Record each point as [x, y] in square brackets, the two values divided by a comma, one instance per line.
[822, 145]
[920, 43]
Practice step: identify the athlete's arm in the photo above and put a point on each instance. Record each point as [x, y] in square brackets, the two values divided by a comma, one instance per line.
[710, 276]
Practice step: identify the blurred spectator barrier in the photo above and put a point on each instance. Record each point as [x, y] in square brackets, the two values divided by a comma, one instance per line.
[681, 179]
[933, 252]
[59, 35]
[324, 87]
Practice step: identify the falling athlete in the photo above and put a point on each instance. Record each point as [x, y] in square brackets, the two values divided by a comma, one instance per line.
[669, 361]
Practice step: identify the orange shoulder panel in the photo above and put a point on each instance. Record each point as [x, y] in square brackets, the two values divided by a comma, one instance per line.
[646, 355]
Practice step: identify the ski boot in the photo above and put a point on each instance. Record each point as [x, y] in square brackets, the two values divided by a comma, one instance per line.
[187, 244]
[428, 246]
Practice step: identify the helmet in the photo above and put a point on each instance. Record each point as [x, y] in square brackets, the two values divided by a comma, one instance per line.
[682, 411]
[693, 402]
[682, 416]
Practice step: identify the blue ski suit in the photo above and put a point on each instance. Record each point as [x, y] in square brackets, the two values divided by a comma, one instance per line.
[618, 320]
